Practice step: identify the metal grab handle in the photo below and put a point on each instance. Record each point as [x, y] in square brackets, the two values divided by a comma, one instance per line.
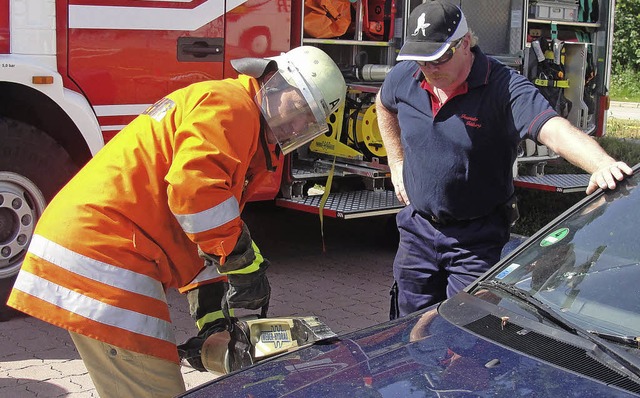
[201, 48]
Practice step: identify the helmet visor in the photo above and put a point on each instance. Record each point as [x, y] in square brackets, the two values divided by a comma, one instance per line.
[290, 109]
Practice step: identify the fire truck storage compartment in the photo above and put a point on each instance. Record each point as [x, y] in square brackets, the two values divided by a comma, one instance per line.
[575, 65]
[554, 10]
[498, 26]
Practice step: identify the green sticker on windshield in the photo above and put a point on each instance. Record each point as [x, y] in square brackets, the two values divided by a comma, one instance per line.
[554, 237]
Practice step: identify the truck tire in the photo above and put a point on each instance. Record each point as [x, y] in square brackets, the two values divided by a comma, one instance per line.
[33, 168]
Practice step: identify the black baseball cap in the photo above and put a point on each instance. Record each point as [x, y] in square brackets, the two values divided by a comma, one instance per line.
[431, 29]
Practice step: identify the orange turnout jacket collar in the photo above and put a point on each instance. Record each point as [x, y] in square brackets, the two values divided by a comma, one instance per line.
[127, 226]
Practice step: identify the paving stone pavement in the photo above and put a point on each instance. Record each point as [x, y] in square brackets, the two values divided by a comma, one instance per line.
[346, 286]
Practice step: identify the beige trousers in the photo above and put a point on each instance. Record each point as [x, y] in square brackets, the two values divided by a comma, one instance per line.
[119, 373]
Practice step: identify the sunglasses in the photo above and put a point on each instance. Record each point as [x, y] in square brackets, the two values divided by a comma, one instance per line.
[446, 57]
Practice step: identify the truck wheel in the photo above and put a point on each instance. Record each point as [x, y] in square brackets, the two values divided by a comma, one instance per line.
[33, 167]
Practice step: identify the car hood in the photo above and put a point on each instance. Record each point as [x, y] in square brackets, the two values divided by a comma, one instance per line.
[421, 355]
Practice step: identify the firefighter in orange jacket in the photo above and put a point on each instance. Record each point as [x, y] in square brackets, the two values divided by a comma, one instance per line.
[164, 194]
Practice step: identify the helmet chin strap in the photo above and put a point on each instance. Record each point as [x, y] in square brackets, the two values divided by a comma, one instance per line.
[265, 145]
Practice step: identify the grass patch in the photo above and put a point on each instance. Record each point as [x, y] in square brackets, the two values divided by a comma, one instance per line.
[625, 86]
[624, 129]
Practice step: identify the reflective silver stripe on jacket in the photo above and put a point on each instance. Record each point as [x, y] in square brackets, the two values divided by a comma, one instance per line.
[93, 309]
[210, 218]
[96, 270]
[206, 274]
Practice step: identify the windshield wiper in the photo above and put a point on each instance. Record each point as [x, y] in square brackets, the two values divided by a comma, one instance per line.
[540, 307]
[631, 341]
[629, 363]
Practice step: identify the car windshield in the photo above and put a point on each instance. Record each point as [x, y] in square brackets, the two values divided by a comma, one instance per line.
[587, 266]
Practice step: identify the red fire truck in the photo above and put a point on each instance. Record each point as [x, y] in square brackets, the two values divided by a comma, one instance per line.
[74, 72]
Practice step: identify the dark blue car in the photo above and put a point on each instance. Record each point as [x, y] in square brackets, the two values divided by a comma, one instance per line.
[557, 317]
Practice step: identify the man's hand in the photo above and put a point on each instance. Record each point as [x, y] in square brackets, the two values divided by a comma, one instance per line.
[606, 176]
[398, 182]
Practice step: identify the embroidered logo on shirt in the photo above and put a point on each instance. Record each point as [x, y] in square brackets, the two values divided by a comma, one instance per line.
[471, 121]
[159, 110]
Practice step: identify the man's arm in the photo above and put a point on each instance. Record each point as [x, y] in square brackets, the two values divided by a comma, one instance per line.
[583, 151]
[390, 132]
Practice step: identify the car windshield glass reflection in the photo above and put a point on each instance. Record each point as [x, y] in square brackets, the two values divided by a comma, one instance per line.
[587, 267]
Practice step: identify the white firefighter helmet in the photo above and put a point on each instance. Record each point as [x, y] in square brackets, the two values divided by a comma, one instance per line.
[297, 99]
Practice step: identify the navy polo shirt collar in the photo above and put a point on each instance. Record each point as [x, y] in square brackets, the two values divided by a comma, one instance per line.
[480, 70]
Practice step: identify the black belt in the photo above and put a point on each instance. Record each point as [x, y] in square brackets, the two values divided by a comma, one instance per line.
[510, 207]
[447, 221]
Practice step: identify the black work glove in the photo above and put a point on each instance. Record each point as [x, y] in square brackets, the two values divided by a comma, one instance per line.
[242, 255]
[248, 286]
[191, 350]
[251, 291]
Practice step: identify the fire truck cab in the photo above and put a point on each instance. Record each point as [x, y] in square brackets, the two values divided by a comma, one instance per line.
[73, 73]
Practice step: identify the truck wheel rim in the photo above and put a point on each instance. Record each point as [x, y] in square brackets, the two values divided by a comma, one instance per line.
[21, 204]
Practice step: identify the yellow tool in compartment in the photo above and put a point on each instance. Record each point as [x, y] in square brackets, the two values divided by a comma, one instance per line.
[368, 133]
[363, 139]
[330, 144]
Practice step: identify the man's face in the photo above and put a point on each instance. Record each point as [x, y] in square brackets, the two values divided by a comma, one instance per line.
[450, 73]
[290, 116]
[293, 113]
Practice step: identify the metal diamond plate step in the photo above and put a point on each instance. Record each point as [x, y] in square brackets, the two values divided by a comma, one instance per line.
[564, 183]
[347, 205]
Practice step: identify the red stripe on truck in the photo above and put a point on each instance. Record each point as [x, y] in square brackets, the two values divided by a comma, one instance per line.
[4, 27]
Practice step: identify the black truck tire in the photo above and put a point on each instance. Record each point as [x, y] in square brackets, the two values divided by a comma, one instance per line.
[33, 168]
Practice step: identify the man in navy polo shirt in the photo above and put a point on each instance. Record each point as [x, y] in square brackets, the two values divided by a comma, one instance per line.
[451, 119]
